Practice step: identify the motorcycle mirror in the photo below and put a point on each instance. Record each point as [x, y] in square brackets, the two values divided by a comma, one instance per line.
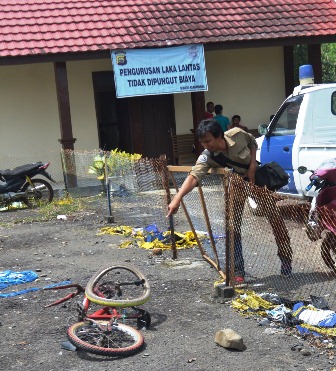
[302, 169]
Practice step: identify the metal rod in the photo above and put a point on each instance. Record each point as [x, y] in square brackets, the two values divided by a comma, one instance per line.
[107, 186]
[208, 225]
[165, 178]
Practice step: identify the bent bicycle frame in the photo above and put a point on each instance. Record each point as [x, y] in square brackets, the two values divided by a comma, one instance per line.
[105, 313]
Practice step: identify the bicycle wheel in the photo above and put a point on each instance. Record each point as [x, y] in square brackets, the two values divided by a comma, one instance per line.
[95, 337]
[39, 194]
[328, 251]
[120, 285]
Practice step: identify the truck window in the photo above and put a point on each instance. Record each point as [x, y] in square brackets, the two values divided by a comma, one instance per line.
[284, 122]
[333, 103]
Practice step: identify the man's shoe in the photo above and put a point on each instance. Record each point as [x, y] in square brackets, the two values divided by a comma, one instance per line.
[239, 280]
[286, 269]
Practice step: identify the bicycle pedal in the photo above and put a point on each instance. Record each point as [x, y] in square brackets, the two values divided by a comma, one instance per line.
[80, 311]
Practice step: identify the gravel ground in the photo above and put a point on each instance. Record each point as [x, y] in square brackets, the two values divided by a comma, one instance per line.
[185, 317]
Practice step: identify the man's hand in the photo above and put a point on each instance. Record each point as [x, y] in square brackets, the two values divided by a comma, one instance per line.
[173, 207]
[250, 174]
[187, 186]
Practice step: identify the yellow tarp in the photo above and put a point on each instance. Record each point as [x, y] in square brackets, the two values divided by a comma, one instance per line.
[182, 241]
[248, 299]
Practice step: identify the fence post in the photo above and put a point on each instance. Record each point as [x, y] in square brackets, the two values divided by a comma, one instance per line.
[64, 172]
[110, 218]
[227, 230]
[69, 169]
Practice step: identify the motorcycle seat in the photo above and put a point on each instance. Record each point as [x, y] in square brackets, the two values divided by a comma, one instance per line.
[20, 170]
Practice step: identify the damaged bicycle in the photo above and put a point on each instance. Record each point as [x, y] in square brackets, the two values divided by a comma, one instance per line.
[118, 291]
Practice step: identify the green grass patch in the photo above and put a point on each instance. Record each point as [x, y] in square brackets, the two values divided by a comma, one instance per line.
[63, 206]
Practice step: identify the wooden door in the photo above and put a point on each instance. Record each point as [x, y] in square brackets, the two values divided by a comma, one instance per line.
[152, 120]
[158, 122]
[136, 125]
[112, 114]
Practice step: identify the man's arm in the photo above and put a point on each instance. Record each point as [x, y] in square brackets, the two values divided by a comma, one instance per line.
[188, 185]
[253, 165]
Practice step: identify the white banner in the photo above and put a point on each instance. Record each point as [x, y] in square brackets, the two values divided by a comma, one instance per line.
[177, 69]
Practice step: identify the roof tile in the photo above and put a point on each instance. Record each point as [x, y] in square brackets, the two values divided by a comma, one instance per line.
[32, 27]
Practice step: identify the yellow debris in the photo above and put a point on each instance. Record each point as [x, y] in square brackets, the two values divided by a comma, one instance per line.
[126, 244]
[182, 241]
[250, 300]
[330, 331]
[219, 282]
[122, 230]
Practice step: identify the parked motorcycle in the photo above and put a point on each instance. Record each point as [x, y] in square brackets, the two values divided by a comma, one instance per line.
[19, 185]
[322, 213]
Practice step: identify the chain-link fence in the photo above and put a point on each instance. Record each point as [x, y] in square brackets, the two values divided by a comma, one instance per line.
[136, 191]
[140, 197]
[259, 235]
[265, 233]
[78, 180]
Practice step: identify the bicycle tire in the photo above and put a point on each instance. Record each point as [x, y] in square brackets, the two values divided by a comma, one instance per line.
[39, 197]
[328, 248]
[129, 302]
[121, 341]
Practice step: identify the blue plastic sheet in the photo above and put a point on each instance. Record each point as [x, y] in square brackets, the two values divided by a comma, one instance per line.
[21, 292]
[315, 317]
[154, 233]
[10, 278]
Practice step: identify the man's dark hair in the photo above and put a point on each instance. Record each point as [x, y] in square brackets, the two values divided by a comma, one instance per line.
[208, 104]
[218, 109]
[209, 126]
[236, 116]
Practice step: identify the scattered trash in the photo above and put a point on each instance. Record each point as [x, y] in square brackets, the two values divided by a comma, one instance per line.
[68, 346]
[272, 331]
[250, 301]
[297, 347]
[151, 238]
[121, 192]
[290, 320]
[264, 322]
[61, 217]
[305, 352]
[17, 205]
[313, 316]
[278, 313]
[306, 318]
[157, 251]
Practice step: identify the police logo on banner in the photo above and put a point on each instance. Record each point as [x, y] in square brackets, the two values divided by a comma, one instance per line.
[121, 58]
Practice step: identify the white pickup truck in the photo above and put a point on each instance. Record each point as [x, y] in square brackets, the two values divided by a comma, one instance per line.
[301, 134]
